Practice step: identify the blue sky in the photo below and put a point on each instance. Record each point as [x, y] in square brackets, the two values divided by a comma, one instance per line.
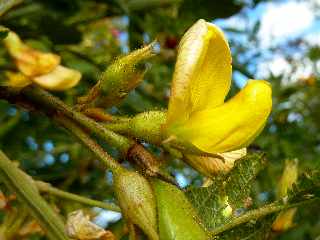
[280, 22]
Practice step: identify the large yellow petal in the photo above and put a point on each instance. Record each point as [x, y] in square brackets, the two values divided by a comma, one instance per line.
[232, 125]
[29, 61]
[61, 78]
[202, 73]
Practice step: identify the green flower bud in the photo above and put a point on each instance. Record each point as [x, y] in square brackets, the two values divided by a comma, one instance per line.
[285, 218]
[177, 217]
[288, 178]
[122, 76]
[137, 201]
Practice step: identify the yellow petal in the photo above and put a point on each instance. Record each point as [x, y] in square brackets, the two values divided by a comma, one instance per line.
[202, 73]
[17, 80]
[210, 166]
[29, 61]
[61, 78]
[232, 125]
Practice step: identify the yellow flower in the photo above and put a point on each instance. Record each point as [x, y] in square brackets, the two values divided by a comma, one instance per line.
[17, 79]
[39, 67]
[59, 79]
[29, 61]
[197, 115]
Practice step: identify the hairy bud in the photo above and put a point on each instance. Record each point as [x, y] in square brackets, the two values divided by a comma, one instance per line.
[137, 201]
[122, 76]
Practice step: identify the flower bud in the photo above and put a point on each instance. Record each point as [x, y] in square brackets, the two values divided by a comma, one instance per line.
[284, 220]
[288, 178]
[137, 201]
[177, 217]
[121, 77]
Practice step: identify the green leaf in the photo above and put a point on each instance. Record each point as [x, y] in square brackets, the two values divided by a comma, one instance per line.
[233, 189]
[239, 181]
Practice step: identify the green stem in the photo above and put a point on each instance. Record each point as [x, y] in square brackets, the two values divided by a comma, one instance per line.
[256, 214]
[17, 223]
[45, 99]
[122, 127]
[105, 158]
[23, 186]
[37, 98]
[47, 188]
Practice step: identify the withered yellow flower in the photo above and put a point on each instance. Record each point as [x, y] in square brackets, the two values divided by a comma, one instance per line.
[197, 113]
[29, 61]
[211, 166]
[39, 67]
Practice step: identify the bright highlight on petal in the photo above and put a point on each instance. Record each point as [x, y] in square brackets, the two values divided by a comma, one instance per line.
[61, 78]
[202, 73]
[197, 114]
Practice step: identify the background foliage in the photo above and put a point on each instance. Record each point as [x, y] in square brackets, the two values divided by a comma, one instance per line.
[90, 34]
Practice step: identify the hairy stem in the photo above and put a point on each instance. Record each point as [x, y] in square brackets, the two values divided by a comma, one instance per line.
[256, 214]
[45, 99]
[104, 157]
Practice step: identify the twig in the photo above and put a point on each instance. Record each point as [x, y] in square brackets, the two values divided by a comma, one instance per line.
[104, 157]
[257, 213]
[37, 98]
[45, 99]
[47, 188]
